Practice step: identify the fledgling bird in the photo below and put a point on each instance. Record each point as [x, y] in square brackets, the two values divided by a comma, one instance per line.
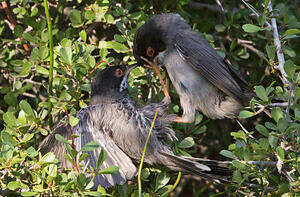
[202, 79]
[121, 129]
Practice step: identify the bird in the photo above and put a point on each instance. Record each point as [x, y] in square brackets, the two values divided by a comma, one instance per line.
[120, 127]
[201, 78]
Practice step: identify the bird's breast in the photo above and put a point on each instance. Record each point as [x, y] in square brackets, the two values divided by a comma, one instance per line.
[187, 80]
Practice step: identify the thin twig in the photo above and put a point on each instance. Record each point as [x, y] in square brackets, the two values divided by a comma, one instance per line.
[248, 45]
[143, 155]
[244, 129]
[256, 13]
[51, 60]
[277, 44]
[12, 22]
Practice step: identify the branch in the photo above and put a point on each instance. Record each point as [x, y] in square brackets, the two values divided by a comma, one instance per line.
[277, 44]
[256, 13]
[247, 45]
[12, 22]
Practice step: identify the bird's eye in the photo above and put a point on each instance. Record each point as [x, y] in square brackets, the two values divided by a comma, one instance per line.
[118, 73]
[150, 52]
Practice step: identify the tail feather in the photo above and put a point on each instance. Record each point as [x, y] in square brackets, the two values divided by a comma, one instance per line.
[209, 170]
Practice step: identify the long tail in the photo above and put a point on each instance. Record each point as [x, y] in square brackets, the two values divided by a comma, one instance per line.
[208, 169]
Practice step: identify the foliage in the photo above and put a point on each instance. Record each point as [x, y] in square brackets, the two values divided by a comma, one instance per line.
[85, 32]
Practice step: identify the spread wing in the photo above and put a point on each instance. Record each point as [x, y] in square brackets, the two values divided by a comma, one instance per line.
[198, 53]
[88, 131]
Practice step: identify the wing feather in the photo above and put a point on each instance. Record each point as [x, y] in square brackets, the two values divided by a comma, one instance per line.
[198, 53]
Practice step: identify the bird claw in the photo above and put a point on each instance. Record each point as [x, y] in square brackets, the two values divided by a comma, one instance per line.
[166, 100]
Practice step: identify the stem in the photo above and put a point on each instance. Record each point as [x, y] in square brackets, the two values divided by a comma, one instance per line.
[143, 155]
[176, 182]
[51, 59]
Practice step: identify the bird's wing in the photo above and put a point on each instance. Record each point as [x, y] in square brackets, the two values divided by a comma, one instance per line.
[198, 53]
[88, 131]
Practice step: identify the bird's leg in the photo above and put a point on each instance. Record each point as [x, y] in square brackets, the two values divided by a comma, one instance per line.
[181, 120]
[153, 65]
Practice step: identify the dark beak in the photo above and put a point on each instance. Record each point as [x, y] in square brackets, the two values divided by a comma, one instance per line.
[124, 83]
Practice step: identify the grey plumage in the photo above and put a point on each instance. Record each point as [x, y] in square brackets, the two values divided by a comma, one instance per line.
[203, 80]
[121, 129]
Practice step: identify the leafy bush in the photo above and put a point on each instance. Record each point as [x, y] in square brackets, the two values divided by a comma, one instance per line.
[265, 151]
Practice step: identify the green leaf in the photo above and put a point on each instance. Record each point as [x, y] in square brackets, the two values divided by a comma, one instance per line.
[89, 185]
[82, 35]
[280, 152]
[282, 124]
[118, 47]
[83, 156]
[227, 153]
[109, 18]
[245, 114]
[43, 52]
[119, 38]
[161, 180]
[101, 158]
[238, 164]
[237, 177]
[48, 158]
[29, 37]
[62, 139]
[73, 121]
[200, 130]
[289, 68]
[297, 114]
[110, 170]
[42, 70]
[13, 185]
[270, 125]
[90, 146]
[145, 174]
[10, 119]
[277, 113]
[27, 137]
[291, 32]
[273, 140]
[75, 18]
[11, 99]
[8, 139]
[187, 142]
[18, 31]
[24, 105]
[261, 93]
[81, 179]
[220, 28]
[262, 130]
[29, 193]
[249, 28]
[52, 170]
[297, 93]
[66, 55]
[271, 50]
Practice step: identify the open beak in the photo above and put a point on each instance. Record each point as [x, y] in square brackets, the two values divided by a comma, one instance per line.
[124, 83]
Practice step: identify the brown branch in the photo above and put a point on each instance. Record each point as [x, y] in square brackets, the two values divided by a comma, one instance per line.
[12, 22]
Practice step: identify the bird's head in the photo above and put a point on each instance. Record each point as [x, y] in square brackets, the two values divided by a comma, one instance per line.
[147, 42]
[111, 80]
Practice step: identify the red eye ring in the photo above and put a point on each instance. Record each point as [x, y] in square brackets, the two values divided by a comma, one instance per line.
[150, 52]
[118, 73]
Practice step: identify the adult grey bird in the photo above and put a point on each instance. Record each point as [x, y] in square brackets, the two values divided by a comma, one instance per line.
[202, 79]
[121, 129]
